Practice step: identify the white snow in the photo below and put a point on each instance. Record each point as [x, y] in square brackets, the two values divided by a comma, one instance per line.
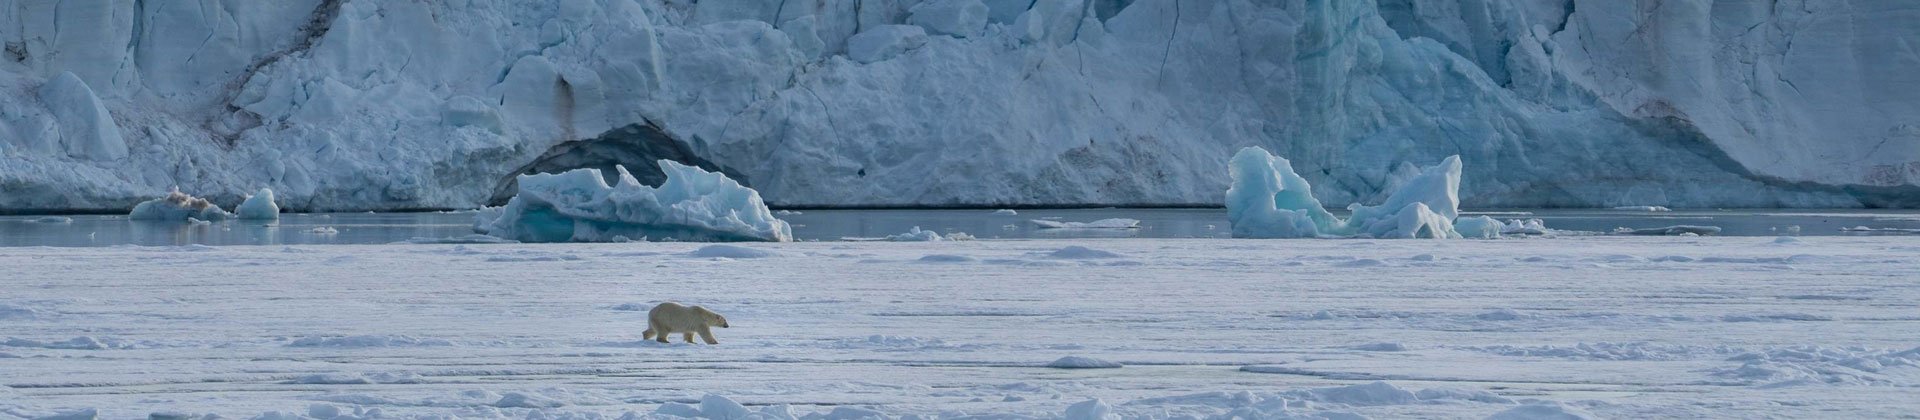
[178, 206]
[1205, 330]
[579, 206]
[1269, 200]
[259, 206]
[1113, 223]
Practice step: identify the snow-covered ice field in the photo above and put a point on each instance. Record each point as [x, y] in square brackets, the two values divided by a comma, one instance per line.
[1610, 327]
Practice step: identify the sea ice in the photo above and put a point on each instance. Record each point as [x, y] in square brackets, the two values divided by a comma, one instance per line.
[177, 206]
[1269, 200]
[579, 206]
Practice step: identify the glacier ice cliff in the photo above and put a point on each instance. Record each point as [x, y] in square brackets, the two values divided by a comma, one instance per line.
[346, 105]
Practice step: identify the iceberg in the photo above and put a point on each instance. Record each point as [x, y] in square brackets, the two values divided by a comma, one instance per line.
[178, 207]
[1267, 199]
[917, 235]
[259, 206]
[579, 206]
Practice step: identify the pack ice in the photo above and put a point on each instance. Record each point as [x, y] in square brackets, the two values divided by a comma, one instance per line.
[1269, 200]
[399, 104]
[578, 205]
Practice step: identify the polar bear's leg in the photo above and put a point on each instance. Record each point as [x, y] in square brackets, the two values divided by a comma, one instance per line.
[659, 332]
[688, 337]
[706, 334]
[647, 335]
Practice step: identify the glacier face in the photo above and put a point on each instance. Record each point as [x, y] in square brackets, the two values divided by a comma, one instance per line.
[398, 104]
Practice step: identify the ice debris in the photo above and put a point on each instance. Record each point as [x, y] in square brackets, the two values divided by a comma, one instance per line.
[178, 207]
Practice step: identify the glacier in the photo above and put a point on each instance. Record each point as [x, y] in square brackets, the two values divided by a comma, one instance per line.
[579, 206]
[351, 105]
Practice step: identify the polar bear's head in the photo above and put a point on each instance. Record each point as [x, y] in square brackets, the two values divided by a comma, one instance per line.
[712, 319]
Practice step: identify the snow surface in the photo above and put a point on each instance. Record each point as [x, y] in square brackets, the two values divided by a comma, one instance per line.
[400, 104]
[579, 206]
[1598, 326]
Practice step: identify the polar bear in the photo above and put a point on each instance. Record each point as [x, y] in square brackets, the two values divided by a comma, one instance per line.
[668, 318]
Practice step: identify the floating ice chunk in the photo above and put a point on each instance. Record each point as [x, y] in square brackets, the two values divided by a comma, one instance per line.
[959, 18]
[1423, 207]
[579, 206]
[1675, 230]
[52, 220]
[1643, 208]
[1525, 227]
[324, 230]
[1267, 199]
[884, 42]
[1864, 229]
[1114, 223]
[1478, 227]
[1006, 212]
[259, 206]
[786, 212]
[177, 207]
[1078, 362]
[917, 235]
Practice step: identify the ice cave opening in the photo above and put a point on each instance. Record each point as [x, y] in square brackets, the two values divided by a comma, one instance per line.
[636, 146]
